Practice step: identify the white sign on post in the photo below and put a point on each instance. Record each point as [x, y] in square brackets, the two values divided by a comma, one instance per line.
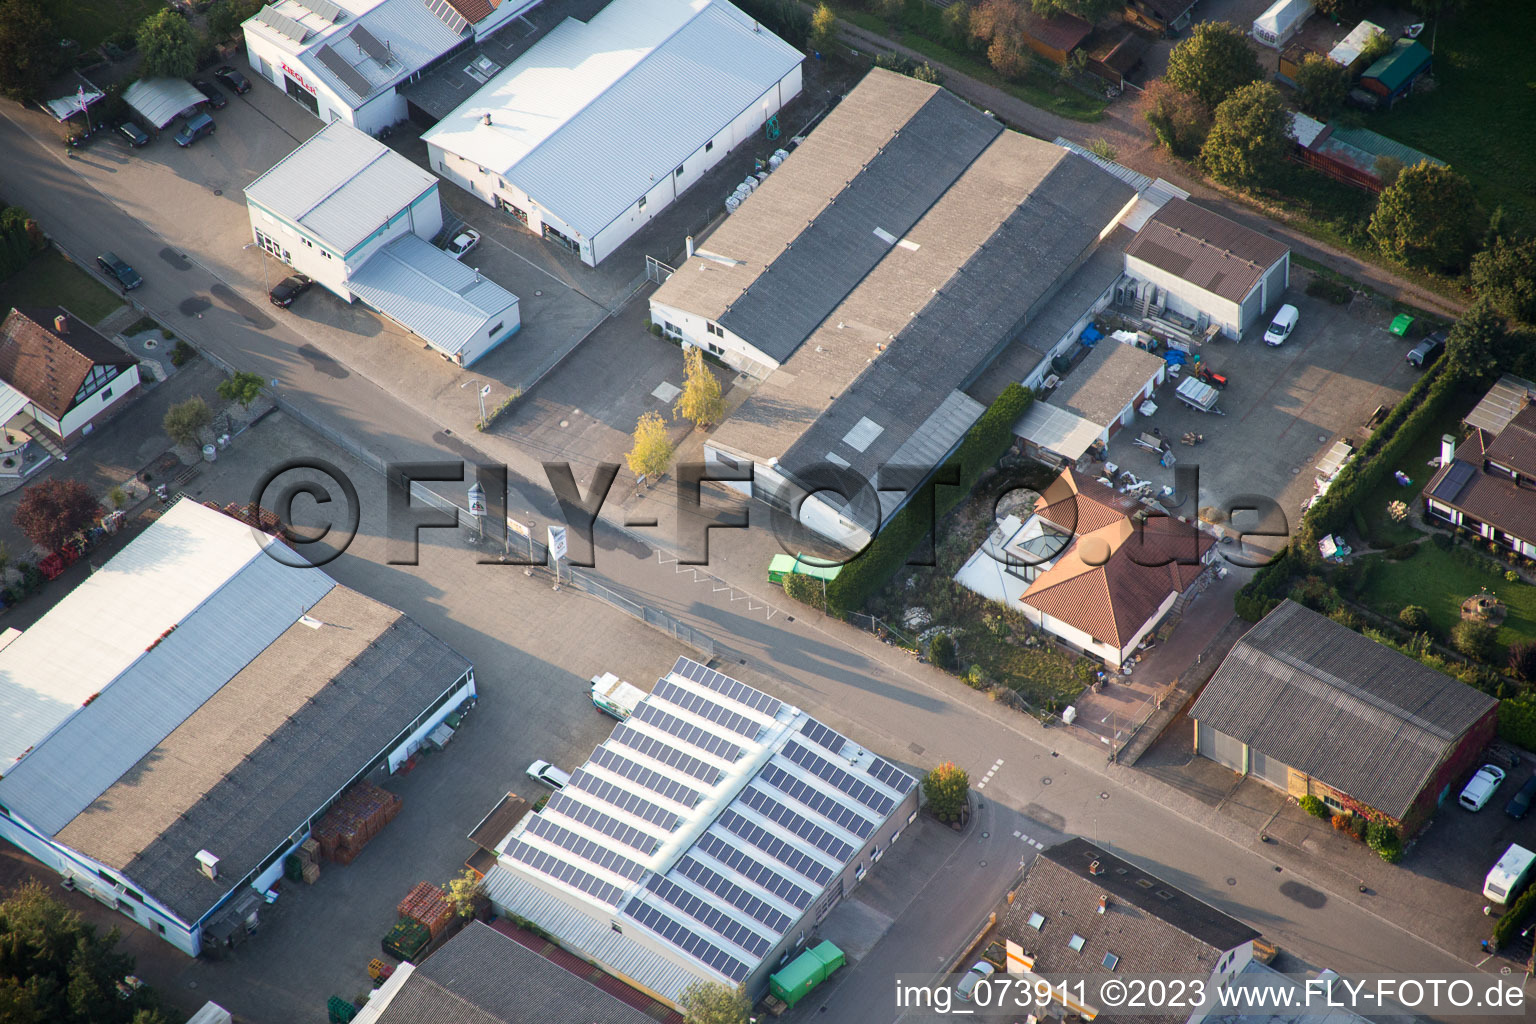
[518, 528]
[476, 500]
[557, 542]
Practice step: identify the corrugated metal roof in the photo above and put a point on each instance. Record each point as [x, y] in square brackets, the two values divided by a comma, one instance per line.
[432, 295]
[1057, 430]
[1108, 379]
[1138, 181]
[594, 115]
[92, 750]
[1362, 147]
[415, 37]
[1502, 403]
[1206, 249]
[1347, 51]
[340, 186]
[104, 625]
[1397, 67]
[159, 100]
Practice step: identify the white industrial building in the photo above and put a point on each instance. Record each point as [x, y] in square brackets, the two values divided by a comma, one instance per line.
[602, 124]
[705, 840]
[359, 218]
[175, 724]
[348, 61]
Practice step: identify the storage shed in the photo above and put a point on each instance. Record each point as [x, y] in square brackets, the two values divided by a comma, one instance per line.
[1349, 50]
[1390, 78]
[1284, 18]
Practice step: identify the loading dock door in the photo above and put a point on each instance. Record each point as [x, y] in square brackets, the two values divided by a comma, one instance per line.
[1221, 748]
[1271, 770]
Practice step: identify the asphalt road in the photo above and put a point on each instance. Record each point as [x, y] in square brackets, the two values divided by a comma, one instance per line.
[845, 677]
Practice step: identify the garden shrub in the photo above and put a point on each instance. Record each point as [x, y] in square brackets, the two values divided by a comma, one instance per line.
[182, 354]
[1363, 528]
[975, 677]
[1269, 586]
[1403, 552]
[803, 588]
[1346, 618]
[1361, 825]
[946, 789]
[1415, 617]
[1383, 837]
[1344, 822]
[1443, 541]
[1517, 721]
[1314, 806]
[1507, 927]
[941, 651]
[1476, 640]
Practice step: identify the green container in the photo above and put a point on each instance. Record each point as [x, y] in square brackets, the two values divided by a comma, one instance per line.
[784, 565]
[805, 972]
[1401, 324]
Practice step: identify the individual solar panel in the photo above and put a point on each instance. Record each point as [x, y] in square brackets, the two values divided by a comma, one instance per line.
[570, 874]
[735, 895]
[739, 692]
[754, 871]
[706, 708]
[447, 15]
[609, 826]
[325, 9]
[1450, 487]
[823, 736]
[350, 77]
[607, 792]
[282, 24]
[650, 714]
[585, 848]
[777, 848]
[666, 754]
[891, 776]
[690, 942]
[369, 44]
[651, 780]
[833, 810]
[819, 766]
[798, 824]
[720, 923]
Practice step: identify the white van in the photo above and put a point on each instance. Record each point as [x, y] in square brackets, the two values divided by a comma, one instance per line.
[1509, 875]
[1282, 325]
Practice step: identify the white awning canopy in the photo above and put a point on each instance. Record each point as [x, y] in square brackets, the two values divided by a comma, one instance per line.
[159, 100]
[66, 107]
[1057, 430]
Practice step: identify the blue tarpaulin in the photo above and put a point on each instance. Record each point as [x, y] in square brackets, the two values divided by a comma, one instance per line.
[1091, 334]
[1174, 357]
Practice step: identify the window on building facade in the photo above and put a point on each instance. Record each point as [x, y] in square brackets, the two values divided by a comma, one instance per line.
[716, 349]
[714, 329]
[678, 173]
[640, 206]
[709, 145]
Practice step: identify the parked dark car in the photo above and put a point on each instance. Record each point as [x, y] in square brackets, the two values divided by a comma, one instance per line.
[135, 135]
[232, 78]
[125, 275]
[288, 289]
[216, 98]
[1427, 351]
[1520, 804]
[198, 126]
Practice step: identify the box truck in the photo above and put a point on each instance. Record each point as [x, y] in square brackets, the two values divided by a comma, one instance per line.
[614, 696]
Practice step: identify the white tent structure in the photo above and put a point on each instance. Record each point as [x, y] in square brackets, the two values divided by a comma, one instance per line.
[159, 100]
[1284, 19]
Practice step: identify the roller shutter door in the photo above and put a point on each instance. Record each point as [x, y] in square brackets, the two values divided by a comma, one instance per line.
[1221, 748]
[1271, 770]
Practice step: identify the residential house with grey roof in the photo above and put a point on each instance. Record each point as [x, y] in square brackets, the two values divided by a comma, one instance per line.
[1487, 483]
[1313, 708]
[176, 723]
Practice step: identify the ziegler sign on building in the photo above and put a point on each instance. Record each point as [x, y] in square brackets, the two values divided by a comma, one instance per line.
[296, 77]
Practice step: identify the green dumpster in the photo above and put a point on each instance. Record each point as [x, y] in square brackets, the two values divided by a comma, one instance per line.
[1401, 324]
[784, 565]
[805, 972]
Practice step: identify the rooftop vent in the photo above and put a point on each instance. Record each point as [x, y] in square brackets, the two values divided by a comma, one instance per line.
[1095, 868]
[487, 119]
[61, 324]
[208, 864]
[1103, 903]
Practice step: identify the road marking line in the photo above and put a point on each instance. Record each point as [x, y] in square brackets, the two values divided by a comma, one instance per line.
[1016, 834]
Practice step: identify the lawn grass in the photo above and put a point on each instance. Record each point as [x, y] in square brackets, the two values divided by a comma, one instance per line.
[52, 280]
[1440, 581]
[1043, 674]
[1479, 117]
[1384, 530]
[91, 22]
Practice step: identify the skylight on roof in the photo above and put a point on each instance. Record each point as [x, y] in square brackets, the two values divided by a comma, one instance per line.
[863, 434]
[1111, 961]
[1037, 921]
[1076, 943]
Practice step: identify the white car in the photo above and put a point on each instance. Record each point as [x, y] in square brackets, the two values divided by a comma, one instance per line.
[980, 971]
[462, 243]
[1477, 792]
[554, 778]
[1282, 325]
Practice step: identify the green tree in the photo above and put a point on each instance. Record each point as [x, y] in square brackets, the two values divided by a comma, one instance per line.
[1000, 24]
[243, 387]
[226, 17]
[1323, 85]
[1415, 617]
[1505, 274]
[1387, 170]
[29, 49]
[823, 27]
[941, 651]
[1342, 10]
[890, 10]
[463, 891]
[1476, 640]
[1429, 217]
[710, 1002]
[1474, 344]
[1375, 48]
[1091, 11]
[53, 511]
[1250, 137]
[1214, 62]
[701, 400]
[186, 421]
[946, 789]
[957, 24]
[1180, 121]
[168, 45]
[652, 451]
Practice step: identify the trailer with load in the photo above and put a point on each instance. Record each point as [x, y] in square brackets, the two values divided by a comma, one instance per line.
[614, 696]
[1198, 395]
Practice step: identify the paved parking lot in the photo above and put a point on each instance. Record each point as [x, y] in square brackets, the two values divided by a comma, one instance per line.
[1284, 407]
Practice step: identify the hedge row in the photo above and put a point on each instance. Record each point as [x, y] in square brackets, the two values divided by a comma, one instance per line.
[1517, 721]
[986, 442]
[1507, 928]
[15, 241]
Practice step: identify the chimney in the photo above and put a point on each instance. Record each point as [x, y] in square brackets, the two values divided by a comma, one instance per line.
[208, 864]
[1095, 868]
[1103, 903]
[61, 324]
[1447, 448]
[487, 118]
[689, 243]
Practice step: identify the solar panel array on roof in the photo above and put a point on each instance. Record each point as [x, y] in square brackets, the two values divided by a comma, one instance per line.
[282, 24]
[798, 824]
[584, 848]
[609, 826]
[777, 848]
[696, 946]
[754, 871]
[819, 766]
[570, 874]
[720, 923]
[739, 692]
[734, 894]
[1455, 479]
[369, 44]
[705, 708]
[325, 9]
[892, 776]
[653, 781]
[607, 792]
[667, 754]
[650, 714]
[824, 735]
[350, 77]
[817, 801]
[447, 15]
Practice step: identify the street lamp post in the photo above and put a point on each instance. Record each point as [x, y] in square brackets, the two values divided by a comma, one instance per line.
[265, 283]
[484, 390]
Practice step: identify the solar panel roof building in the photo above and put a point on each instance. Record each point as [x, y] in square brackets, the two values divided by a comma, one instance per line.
[704, 839]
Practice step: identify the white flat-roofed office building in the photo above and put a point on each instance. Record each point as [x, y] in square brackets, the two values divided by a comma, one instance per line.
[602, 124]
[348, 61]
[705, 839]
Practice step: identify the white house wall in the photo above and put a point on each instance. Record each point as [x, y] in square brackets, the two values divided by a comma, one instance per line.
[98, 403]
[1188, 299]
[731, 349]
[414, 741]
[277, 66]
